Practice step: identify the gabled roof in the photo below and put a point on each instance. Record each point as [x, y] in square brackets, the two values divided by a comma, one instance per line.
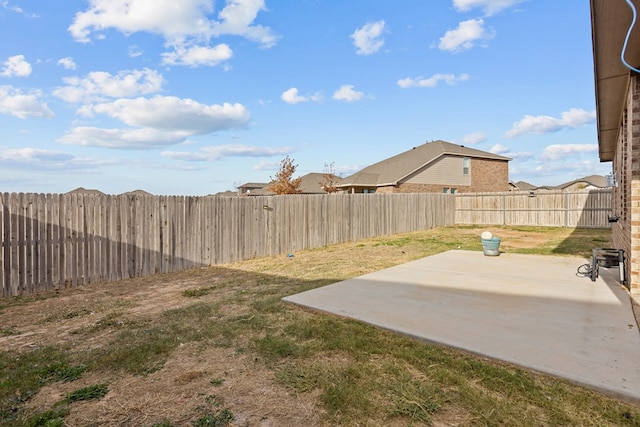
[594, 180]
[138, 193]
[227, 193]
[311, 183]
[524, 186]
[254, 185]
[392, 170]
[81, 190]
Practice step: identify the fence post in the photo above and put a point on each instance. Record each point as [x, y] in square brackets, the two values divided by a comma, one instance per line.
[566, 209]
[504, 208]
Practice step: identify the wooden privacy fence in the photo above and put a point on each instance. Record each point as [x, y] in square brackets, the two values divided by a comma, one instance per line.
[52, 241]
[585, 208]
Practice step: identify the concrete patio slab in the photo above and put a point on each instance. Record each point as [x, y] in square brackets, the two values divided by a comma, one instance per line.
[529, 310]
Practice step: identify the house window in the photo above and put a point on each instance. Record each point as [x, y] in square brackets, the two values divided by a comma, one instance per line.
[445, 190]
[369, 190]
[453, 190]
[466, 165]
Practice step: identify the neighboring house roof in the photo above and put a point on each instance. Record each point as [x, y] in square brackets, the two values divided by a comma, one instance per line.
[524, 186]
[394, 169]
[598, 181]
[253, 188]
[264, 191]
[81, 190]
[138, 193]
[310, 183]
[254, 185]
[610, 22]
[592, 180]
[227, 193]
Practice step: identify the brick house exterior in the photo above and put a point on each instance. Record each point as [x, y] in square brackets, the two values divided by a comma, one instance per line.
[434, 167]
[626, 195]
[618, 112]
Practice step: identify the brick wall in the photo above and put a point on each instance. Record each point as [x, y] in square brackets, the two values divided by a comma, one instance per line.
[626, 196]
[621, 230]
[633, 133]
[489, 175]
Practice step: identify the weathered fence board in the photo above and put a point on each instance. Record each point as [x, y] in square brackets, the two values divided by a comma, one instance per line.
[586, 208]
[53, 241]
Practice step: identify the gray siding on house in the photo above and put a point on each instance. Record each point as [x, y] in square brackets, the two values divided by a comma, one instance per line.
[446, 170]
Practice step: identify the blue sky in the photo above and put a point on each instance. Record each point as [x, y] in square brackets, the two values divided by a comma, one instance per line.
[195, 97]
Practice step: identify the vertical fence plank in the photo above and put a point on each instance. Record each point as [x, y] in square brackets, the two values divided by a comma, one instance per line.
[83, 257]
[40, 243]
[54, 228]
[15, 244]
[5, 221]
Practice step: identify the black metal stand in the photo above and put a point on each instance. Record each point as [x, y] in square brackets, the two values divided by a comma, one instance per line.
[608, 257]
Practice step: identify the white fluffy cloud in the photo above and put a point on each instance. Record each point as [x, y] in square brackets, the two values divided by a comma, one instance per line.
[157, 122]
[169, 113]
[16, 66]
[545, 124]
[21, 154]
[217, 152]
[506, 151]
[237, 17]
[292, 96]
[432, 81]
[499, 149]
[40, 159]
[490, 7]
[131, 139]
[181, 24]
[194, 56]
[99, 85]
[559, 151]
[23, 105]
[368, 39]
[474, 138]
[67, 63]
[347, 93]
[465, 36]
[267, 165]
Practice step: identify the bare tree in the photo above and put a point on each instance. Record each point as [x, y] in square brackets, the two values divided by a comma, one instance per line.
[330, 180]
[283, 182]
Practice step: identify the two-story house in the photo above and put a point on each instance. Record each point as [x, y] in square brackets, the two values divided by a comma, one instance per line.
[436, 166]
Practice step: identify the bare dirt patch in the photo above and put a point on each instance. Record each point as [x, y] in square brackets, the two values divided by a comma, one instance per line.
[197, 378]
